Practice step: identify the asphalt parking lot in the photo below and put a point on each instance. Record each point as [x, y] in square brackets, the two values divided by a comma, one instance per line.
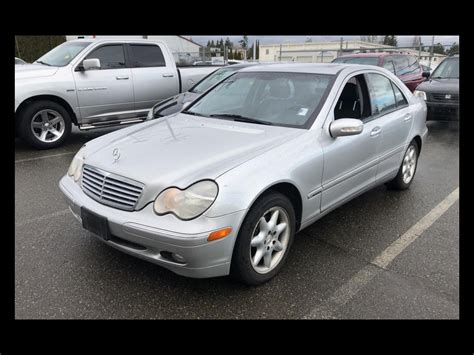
[333, 270]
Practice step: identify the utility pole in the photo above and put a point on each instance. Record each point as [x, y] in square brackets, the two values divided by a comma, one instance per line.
[432, 47]
[255, 49]
[280, 52]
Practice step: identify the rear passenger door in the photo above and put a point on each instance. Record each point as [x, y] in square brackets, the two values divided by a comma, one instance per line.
[154, 77]
[390, 109]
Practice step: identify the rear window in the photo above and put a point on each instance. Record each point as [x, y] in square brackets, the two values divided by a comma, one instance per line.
[145, 55]
[357, 60]
[405, 65]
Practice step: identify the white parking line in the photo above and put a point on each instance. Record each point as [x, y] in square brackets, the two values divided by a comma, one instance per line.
[348, 290]
[44, 157]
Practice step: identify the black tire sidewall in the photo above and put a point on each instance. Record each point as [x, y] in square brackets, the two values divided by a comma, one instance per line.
[241, 267]
[27, 114]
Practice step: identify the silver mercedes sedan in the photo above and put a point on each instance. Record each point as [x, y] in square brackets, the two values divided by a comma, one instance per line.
[223, 186]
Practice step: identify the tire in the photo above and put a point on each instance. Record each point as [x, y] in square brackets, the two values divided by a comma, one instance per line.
[242, 267]
[46, 116]
[399, 182]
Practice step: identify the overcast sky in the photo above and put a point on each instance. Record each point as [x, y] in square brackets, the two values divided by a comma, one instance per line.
[402, 40]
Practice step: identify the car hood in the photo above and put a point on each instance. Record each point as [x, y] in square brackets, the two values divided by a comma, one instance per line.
[28, 71]
[181, 149]
[440, 85]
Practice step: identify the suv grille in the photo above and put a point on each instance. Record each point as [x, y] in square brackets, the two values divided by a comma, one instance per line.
[110, 189]
[442, 97]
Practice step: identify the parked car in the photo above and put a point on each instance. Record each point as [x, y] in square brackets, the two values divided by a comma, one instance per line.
[95, 83]
[441, 91]
[405, 66]
[175, 104]
[19, 61]
[223, 186]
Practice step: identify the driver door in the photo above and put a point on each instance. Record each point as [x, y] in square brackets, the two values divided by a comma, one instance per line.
[350, 162]
[106, 93]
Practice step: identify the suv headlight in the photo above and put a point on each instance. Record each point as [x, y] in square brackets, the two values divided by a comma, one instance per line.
[420, 94]
[188, 203]
[75, 169]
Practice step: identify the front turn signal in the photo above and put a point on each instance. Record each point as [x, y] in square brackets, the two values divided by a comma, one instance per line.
[219, 234]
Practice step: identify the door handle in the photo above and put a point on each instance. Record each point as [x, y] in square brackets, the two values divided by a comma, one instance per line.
[168, 75]
[122, 77]
[407, 117]
[376, 131]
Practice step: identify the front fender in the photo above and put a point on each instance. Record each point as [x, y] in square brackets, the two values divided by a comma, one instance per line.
[298, 162]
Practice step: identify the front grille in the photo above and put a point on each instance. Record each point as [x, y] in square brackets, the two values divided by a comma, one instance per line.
[110, 189]
[442, 97]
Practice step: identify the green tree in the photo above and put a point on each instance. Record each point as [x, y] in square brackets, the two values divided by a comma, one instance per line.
[453, 49]
[438, 48]
[390, 41]
[30, 48]
[244, 42]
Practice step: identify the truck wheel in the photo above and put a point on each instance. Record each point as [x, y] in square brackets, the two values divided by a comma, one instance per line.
[44, 124]
[264, 240]
[407, 170]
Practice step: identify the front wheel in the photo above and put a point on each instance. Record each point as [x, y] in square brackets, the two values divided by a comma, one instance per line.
[44, 124]
[264, 240]
[407, 169]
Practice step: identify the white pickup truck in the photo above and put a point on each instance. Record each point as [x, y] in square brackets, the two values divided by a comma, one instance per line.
[95, 83]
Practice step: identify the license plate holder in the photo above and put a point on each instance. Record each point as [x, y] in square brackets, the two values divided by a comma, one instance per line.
[95, 223]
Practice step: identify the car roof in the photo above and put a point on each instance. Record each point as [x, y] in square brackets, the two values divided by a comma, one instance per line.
[310, 68]
[374, 54]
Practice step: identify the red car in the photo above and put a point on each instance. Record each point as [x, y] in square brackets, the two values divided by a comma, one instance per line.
[405, 66]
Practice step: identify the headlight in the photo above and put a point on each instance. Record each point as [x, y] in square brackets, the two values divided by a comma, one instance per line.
[420, 94]
[189, 203]
[75, 169]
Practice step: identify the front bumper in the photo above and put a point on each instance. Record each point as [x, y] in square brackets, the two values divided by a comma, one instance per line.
[153, 238]
[442, 111]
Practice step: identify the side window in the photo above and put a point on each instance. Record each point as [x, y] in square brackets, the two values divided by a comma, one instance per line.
[401, 64]
[399, 97]
[382, 98]
[110, 56]
[145, 55]
[388, 64]
[353, 101]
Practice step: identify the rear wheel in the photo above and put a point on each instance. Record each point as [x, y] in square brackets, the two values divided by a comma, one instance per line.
[407, 169]
[44, 124]
[264, 240]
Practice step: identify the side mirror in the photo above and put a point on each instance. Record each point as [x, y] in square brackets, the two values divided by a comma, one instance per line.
[426, 74]
[90, 64]
[346, 127]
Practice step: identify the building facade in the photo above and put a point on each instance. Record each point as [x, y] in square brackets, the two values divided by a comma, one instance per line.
[313, 52]
[325, 52]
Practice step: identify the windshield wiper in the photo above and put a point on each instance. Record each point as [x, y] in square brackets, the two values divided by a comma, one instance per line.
[192, 113]
[41, 62]
[240, 118]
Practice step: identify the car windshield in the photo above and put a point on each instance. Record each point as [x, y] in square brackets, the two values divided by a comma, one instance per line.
[272, 98]
[62, 54]
[448, 69]
[214, 78]
[357, 60]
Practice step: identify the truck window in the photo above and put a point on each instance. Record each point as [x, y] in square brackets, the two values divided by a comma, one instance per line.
[145, 55]
[110, 56]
